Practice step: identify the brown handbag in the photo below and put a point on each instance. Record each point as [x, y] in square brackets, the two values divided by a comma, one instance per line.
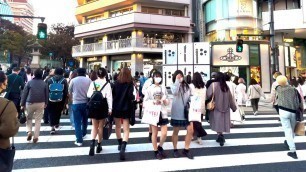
[300, 128]
[211, 105]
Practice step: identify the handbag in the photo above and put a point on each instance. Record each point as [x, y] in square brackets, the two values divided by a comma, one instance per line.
[211, 105]
[300, 128]
[23, 118]
[248, 103]
[7, 155]
[186, 108]
[107, 128]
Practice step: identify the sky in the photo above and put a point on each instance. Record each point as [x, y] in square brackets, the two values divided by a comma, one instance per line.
[55, 11]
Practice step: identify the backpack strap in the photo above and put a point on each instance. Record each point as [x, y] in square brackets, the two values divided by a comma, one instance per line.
[60, 82]
[103, 86]
[95, 86]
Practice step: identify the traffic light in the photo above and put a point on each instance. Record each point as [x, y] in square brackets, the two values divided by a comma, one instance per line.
[42, 31]
[239, 45]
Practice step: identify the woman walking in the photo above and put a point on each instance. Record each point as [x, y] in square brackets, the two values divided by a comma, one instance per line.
[181, 95]
[241, 92]
[98, 118]
[198, 89]
[220, 115]
[122, 107]
[34, 99]
[157, 94]
[254, 94]
[289, 102]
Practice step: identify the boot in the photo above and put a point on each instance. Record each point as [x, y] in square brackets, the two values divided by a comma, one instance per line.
[122, 151]
[119, 144]
[222, 140]
[92, 148]
[99, 148]
[140, 111]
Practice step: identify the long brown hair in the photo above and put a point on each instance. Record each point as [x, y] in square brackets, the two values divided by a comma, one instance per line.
[125, 76]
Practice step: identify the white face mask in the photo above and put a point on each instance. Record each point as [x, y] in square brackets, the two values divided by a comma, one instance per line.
[157, 80]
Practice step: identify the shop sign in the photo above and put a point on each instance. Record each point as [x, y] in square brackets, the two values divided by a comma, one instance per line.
[93, 59]
[224, 55]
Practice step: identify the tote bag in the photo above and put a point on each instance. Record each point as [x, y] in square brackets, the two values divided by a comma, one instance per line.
[195, 109]
[300, 128]
[151, 114]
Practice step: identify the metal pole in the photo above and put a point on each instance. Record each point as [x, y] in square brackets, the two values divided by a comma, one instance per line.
[274, 60]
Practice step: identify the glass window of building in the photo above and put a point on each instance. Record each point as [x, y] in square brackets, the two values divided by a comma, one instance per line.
[254, 55]
[121, 12]
[150, 10]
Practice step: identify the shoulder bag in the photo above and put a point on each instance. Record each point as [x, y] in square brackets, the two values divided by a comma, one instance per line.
[211, 104]
[7, 155]
[186, 107]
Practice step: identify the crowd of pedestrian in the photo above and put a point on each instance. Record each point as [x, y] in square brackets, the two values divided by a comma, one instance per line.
[102, 97]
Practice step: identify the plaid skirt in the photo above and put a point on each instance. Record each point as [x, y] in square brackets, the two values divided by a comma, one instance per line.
[163, 122]
[179, 123]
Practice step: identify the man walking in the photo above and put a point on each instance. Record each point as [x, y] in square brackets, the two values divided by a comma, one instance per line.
[14, 87]
[78, 88]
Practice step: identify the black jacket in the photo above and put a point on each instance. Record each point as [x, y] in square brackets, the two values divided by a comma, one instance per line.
[123, 96]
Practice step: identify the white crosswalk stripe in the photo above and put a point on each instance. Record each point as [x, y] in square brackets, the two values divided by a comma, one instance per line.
[252, 138]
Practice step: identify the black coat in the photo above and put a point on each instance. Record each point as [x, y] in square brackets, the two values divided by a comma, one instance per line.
[123, 100]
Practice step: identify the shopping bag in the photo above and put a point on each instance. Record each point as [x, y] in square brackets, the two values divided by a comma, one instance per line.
[236, 116]
[248, 103]
[151, 114]
[300, 128]
[107, 128]
[195, 109]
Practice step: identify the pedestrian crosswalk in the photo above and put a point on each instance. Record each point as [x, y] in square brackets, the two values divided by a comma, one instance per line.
[256, 142]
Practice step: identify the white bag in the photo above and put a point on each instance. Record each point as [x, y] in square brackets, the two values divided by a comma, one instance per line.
[151, 114]
[248, 103]
[237, 115]
[195, 109]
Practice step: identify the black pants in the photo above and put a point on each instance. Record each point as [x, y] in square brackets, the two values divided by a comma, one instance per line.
[15, 97]
[254, 103]
[54, 112]
[276, 108]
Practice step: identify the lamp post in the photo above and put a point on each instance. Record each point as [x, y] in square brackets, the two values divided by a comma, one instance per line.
[273, 57]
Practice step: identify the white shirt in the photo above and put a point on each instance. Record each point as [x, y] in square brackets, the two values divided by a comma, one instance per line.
[241, 94]
[106, 92]
[29, 77]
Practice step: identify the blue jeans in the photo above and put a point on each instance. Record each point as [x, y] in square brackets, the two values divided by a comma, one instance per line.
[80, 121]
[288, 122]
[70, 112]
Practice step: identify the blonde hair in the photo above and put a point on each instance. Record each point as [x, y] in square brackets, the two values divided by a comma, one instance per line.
[282, 80]
[241, 80]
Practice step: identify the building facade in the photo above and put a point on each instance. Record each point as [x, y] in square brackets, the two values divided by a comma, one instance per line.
[22, 8]
[129, 33]
[225, 19]
[5, 9]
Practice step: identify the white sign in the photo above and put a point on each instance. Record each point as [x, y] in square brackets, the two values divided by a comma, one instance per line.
[185, 53]
[195, 109]
[170, 53]
[168, 72]
[226, 55]
[201, 53]
[151, 114]
[204, 70]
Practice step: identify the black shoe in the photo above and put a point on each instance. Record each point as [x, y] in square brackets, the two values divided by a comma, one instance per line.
[150, 137]
[161, 151]
[176, 154]
[286, 145]
[99, 148]
[158, 155]
[46, 122]
[187, 154]
[119, 144]
[292, 155]
[218, 139]
[52, 131]
[122, 151]
[222, 140]
[92, 148]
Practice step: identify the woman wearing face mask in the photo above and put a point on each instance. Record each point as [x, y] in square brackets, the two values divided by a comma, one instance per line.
[181, 95]
[157, 94]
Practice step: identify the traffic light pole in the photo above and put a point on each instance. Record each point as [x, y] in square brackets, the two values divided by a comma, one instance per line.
[274, 60]
[29, 17]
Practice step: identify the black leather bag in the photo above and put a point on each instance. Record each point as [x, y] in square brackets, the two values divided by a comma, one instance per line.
[7, 155]
[186, 107]
[23, 118]
[107, 128]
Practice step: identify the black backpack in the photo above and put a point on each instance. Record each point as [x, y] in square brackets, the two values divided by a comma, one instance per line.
[98, 103]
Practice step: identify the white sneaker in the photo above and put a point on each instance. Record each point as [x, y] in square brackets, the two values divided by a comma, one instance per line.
[199, 141]
[255, 113]
[78, 144]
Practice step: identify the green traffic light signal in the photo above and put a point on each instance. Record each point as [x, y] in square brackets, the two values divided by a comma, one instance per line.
[239, 45]
[42, 31]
